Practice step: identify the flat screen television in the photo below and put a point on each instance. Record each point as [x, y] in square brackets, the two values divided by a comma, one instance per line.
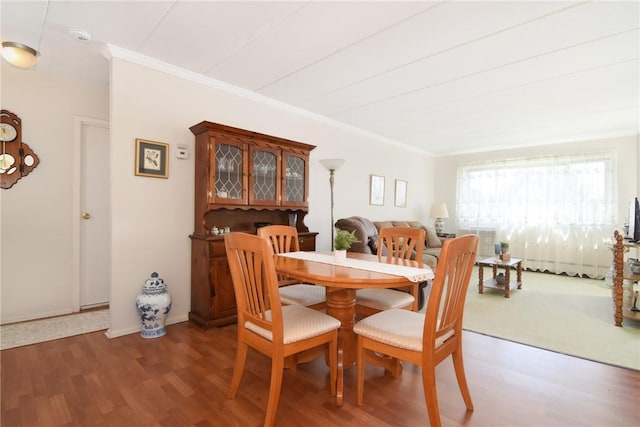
[634, 220]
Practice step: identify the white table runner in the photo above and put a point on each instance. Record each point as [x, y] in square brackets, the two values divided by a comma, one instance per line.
[413, 274]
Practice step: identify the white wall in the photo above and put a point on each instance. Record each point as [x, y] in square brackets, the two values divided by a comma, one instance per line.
[36, 223]
[152, 218]
[627, 149]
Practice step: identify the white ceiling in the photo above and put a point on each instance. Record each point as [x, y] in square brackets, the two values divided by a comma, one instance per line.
[442, 76]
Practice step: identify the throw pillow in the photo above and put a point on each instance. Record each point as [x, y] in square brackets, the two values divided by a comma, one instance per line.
[433, 241]
[415, 224]
[382, 224]
[373, 243]
[401, 224]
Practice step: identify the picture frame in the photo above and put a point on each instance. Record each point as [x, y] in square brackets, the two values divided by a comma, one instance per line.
[376, 196]
[400, 199]
[152, 159]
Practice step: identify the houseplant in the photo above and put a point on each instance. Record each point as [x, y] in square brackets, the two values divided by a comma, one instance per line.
[504, 251]
[343, 241]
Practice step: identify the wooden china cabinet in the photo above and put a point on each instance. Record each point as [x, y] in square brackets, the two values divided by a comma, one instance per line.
[243, 179]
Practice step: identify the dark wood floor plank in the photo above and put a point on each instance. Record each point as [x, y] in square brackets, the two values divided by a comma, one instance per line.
[182, 380]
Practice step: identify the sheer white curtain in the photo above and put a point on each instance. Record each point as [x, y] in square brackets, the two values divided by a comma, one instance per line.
[556, 212]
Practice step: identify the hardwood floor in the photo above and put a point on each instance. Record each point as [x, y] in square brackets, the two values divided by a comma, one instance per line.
[182, 380]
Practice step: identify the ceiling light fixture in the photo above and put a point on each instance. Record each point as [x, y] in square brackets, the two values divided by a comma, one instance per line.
[19, 55]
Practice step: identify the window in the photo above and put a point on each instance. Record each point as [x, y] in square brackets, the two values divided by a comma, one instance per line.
[557, 212]
[575, 189]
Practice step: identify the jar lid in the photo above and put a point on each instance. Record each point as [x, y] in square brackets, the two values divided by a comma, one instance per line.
[154, 282]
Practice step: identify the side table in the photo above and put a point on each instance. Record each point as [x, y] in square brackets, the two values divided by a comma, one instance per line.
[491, 282]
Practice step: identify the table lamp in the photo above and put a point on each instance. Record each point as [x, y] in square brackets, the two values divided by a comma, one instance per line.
[439, 212]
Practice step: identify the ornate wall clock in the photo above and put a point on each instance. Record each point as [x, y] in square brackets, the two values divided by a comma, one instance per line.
[17, 159]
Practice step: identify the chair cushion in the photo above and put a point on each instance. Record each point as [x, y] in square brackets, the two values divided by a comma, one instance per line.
[399, 328]
[302, 294]
[383, 299]
[299, 323]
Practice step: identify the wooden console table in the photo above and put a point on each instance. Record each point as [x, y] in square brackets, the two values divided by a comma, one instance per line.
[622, 304]
[491, 282]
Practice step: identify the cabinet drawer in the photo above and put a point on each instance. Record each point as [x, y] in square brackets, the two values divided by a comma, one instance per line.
[307, 241]
[218, 249]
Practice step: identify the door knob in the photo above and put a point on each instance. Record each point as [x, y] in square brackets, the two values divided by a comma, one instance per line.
[86, 215]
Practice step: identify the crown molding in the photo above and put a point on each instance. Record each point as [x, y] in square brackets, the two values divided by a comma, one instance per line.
[111, 51]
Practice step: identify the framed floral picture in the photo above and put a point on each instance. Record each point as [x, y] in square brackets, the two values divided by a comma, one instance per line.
[376, 196]
[401, 193]
[152, 159]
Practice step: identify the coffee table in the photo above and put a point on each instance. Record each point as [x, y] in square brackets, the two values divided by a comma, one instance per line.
[491, 282]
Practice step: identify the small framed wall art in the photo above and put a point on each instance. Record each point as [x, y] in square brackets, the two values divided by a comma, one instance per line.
[401, 193]
[152, 158]
[376, 196]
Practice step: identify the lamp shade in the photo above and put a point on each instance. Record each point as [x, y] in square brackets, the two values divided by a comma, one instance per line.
[332, 164]
[439, 210]
[19, 55]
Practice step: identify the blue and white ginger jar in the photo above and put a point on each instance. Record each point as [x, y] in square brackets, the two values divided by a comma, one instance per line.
[153, 305]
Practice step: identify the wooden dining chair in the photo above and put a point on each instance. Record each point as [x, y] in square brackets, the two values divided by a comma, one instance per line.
[284, 238]
[425, 339]
[394, 243]
[264, 324]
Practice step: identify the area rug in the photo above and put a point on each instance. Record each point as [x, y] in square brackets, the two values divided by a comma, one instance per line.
[25, 333]
[568, 315]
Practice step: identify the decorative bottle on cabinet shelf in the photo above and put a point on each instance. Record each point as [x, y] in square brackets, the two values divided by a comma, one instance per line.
[153, 304]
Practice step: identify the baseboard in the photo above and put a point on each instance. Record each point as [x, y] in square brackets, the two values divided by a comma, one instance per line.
[110, 333]
[39, 316]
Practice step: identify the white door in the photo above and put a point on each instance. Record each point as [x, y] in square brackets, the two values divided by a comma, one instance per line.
[95, 222]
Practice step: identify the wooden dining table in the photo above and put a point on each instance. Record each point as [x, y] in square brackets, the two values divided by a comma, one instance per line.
[341, 283]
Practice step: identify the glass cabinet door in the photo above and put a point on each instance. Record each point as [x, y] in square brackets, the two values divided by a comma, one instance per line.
[228, 175]
[295, 180]
[263, 180]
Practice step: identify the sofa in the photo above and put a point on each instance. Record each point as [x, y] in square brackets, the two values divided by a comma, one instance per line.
[367, 233]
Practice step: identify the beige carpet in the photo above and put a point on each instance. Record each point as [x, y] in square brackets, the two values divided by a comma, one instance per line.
[564, 314]
[35, 331]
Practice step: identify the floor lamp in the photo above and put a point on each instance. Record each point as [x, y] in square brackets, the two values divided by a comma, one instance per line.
[332, 166]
